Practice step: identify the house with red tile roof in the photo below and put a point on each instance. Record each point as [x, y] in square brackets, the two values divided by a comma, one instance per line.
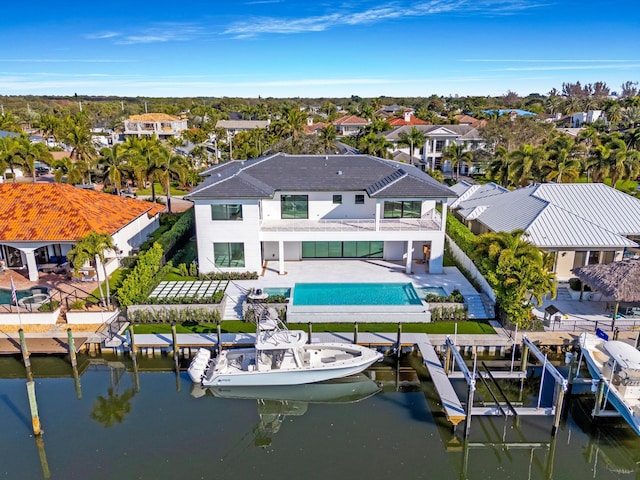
[350, 125]
[40, 222]
[408, 118]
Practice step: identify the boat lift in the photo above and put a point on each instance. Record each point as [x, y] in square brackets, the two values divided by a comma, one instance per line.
[453, 358]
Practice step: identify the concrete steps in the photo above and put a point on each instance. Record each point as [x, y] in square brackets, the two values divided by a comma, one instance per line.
[233, 309]
[475, 306]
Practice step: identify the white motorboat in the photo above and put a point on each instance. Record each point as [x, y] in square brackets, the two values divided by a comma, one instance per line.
[618, 365]
[280, 357]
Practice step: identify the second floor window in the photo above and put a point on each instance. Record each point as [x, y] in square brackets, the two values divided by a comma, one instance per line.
[359, 199]
[226, 212]
[337, 199]
[294, 206]
[402, 209]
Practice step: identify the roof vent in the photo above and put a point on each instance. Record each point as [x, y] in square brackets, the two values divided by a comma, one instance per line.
[339, 172]
[219, 175]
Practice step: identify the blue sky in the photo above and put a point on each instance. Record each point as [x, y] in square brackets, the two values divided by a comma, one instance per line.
[273, 48]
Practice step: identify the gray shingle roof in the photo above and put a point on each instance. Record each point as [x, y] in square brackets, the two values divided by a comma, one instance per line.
[260, 178]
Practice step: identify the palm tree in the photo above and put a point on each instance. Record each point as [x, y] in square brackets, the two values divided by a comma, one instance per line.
[457, 154]
[500, 166]
[328, 135]
[517, 270]
[372, 144]
[413, 139]
[26, 154]
[78, 136]
[564, 167]
[295, 121]
[92, 247]
[146, 155]
[624, 162]
[111, 159]
[171, 166]
[526, 165]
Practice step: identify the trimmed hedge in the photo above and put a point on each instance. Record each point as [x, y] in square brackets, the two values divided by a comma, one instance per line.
[140, 281]
[461, 235]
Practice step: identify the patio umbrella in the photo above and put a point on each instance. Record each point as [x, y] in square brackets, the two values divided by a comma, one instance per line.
[619, 280]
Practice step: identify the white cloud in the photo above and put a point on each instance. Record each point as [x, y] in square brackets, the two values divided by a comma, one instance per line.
[272, 25]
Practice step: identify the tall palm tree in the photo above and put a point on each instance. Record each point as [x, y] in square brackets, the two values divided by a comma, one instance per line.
[92, 247]
[146, 154]
[413, 139]
[295, 121]
[500, 166]
[457, 154]
[372, 144]
[112, 161]
[73, 171]
[171, 166]
[78, 137]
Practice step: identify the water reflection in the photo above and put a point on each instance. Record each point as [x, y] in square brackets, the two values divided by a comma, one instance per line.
[275, 403]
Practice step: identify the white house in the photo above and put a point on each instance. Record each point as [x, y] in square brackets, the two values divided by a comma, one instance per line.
[437, 138]
[579, 119]
[298, 207]
[579, 223]
[159, 124]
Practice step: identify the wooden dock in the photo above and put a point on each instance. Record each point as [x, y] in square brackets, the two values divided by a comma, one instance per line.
[450, 402]
[40, 345]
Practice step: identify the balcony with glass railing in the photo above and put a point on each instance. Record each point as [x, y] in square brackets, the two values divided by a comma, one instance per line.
[430, 221]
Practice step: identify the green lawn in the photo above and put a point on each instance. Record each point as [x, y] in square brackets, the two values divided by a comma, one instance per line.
[175, 192]
[115, 280]
[238, 326]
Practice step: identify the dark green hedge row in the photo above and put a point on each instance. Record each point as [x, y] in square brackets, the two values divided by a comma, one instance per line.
[461, 235]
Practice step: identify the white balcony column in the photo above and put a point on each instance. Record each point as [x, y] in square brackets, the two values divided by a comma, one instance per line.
[409, 256]
[32, 267]
[281, 258]
[378, 207]
[443, 219]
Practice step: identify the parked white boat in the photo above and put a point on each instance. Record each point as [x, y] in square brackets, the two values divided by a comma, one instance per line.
[618, 365]
[280, 357]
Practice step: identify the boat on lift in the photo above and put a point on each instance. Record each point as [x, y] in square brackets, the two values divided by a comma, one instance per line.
[617, 364]
[280, 357]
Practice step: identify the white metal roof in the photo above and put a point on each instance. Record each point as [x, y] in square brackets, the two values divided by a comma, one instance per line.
[559, 215]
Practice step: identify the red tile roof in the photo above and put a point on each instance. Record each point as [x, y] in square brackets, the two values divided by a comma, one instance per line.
[400, 121]
[57, 211]
[351, 120]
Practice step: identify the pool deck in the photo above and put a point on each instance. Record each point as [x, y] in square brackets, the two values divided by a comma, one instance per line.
[350, 271]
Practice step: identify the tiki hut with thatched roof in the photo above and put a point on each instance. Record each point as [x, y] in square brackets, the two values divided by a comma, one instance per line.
[618, 280]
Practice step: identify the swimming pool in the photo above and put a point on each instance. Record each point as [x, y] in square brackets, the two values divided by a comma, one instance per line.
[424, 291]
[355, 294]
[5, 295]
[271, 291]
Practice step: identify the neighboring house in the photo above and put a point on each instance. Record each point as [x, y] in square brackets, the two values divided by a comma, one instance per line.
[579, 223]
[6, 133]
[159, 124]
[388, 111]
[578, 119]
[314, 128]
[437, 138]
[473, 122]
[233, 127]
[350, 125]
[40, 222]
[407, 118]
[296, 207]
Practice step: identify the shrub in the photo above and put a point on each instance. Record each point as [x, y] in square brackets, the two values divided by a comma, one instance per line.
[229, 276]
[128, 262]
[182, 268]
[193, 269]
[461, 235]
[50, 306]
[77, 305]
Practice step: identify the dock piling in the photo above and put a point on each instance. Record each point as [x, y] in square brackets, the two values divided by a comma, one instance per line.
[33, 406]
[219, 336]
[399, 339]
[310, 332]
[355, 332]
[72, 348]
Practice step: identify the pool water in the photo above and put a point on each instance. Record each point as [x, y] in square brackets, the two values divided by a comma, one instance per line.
[424, 291]
[355, 294]
[5, 295]
[271, 291]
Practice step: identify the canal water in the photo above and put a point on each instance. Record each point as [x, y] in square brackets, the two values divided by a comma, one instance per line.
[111, 422]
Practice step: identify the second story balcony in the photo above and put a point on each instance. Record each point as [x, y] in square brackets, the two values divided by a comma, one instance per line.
[431, 221]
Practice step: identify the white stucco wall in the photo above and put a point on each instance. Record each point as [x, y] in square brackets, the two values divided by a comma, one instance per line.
[135, 233]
